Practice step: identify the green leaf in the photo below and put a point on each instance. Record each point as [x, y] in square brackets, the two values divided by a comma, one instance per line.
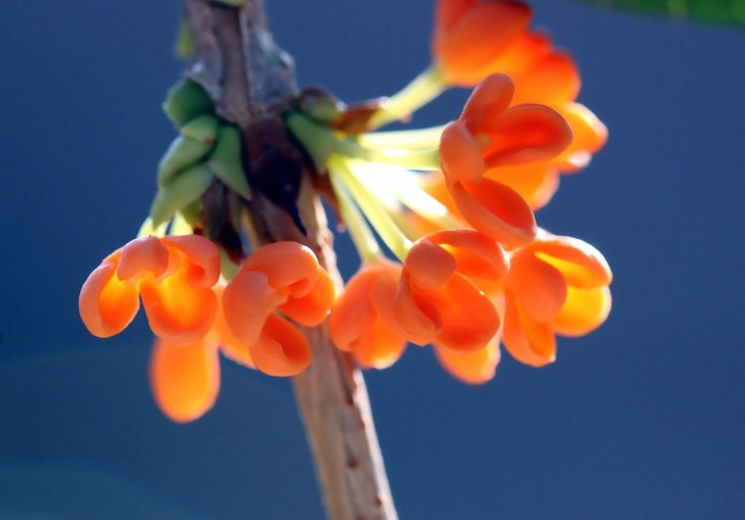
[730, 12]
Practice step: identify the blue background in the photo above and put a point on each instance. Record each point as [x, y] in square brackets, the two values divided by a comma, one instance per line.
[643, 419]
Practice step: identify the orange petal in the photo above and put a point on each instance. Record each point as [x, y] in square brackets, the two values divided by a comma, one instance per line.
[447, 15]
[475, 254]
[525, 134]
[106, 304]
[176, 311]
[583, 312]
[536, 183]
[428, 265]
[552, 81]
[201, 258]
[142, 257]
[527, 341]
[230, 346]
[380, 347]
[538, 286]
[281, 350]
[474, 367]
[589, 134]
[489, 100]
[416, 316]
[311, 310]
[496, 210]
[382, 295]
[482, 32]
[460, 154]
[516, 59]
[414, 313]
[353, 314]
[288, 265]
[469, 319]
[247, 301]
[184, 379]
[581, 264]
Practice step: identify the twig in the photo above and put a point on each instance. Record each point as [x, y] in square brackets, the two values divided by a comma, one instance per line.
[251, 80]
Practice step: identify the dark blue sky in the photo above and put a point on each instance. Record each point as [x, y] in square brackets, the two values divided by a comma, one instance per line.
[643, 419]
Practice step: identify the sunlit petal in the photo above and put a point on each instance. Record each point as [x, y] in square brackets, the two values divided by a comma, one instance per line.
[583, 312]
[247, 302]
[185, 379]
[476, 367]
[538, 286]
[106, 304]
[527, 341]
[496, 210]
[281, 349]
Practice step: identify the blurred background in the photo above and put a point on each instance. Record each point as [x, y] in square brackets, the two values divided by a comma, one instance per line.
[643, 419]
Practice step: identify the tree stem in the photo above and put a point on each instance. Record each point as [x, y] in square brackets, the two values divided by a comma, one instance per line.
[251, 80]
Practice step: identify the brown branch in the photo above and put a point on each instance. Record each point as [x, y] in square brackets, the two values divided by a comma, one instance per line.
[251, 81]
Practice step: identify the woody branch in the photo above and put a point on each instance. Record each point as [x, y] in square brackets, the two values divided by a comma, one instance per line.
[251, 81]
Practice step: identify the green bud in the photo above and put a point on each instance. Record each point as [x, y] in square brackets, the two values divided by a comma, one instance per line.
[226, 161]
[318, 140]
[185, 101]
[181, 190]
[183, 152]
[202, 128]
[320, 105]
[192, 213]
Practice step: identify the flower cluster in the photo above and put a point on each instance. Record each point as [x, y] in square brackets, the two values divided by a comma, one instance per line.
[454, 204]
[195, 313]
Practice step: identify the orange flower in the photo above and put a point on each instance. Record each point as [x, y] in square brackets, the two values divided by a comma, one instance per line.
[174, 276]
[286, 277]
[439, 299]
[195, 315]
[476, 367]
[488, 134]
[185, 379]
[556, 285]
[473, 39]
[552, 80]
[362, 320]
[469, 34]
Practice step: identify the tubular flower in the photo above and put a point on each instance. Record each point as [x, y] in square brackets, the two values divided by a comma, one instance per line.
[489, 134]
[175, 277]
[284, 277]
[553, 80]
[439, 299]
[195, 315]
[362, 320]
[185, 379]
[556, 285]
[499, 41]
[470, 34]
